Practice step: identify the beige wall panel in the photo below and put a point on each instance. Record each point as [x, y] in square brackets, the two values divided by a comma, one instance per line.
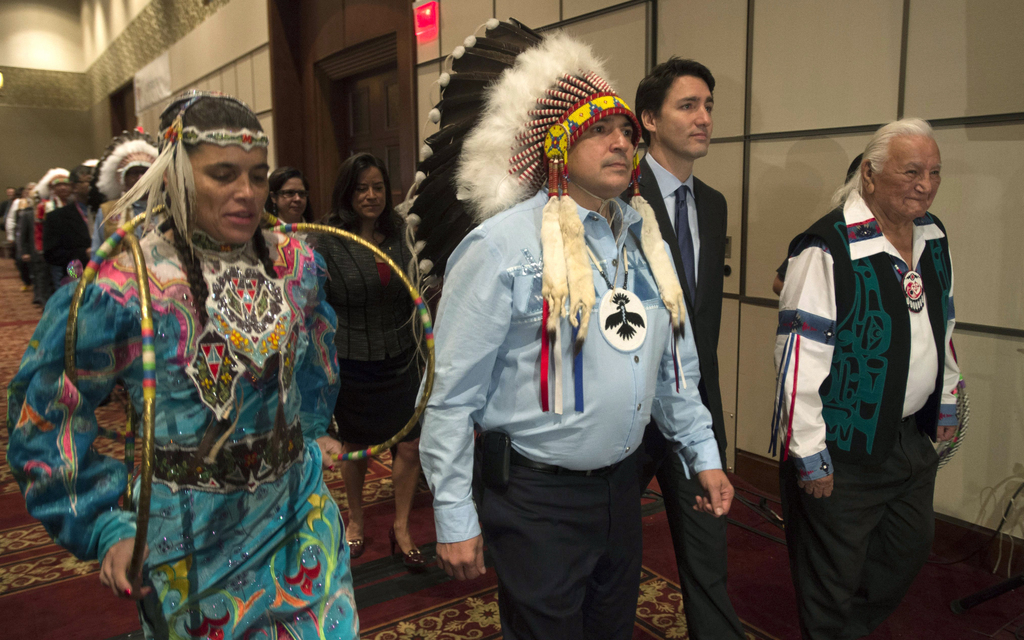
[428, 94]
[715, 34]
[824, 64]
[43, 34]
[428, 50]
[150, 120]
[973, 485]
[261, 100]
[244, 76]
[213, 82]
[756, 378]
[964, 58]
[103, 21]
[791, 182]
[573, 8]
[227, 35]
[620, 38]
[36, 139]
[980, 203]
[267, 122]
[532, 13]
[460, 19]
[229, 80]
[722, 169]
[728, 354]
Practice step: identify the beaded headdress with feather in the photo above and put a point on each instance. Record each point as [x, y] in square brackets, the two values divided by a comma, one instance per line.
[50, 178]
[169, 179]
[512, 105]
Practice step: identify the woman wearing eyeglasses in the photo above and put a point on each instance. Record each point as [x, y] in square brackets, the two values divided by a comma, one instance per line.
[289, 196]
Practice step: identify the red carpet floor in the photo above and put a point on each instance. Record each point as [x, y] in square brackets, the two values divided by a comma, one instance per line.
[45, 593]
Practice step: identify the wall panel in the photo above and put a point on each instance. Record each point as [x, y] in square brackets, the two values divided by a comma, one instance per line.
[267, 122]
[573, 8]
[993, 368]
[620, 39]
[755, 378]
[791, 182]
[722, 169]
[714, 34]
[824, 64]
[728, 344]
[460, 19]
[964, 58]
[261, 80]
[980, 202]
[532, 13]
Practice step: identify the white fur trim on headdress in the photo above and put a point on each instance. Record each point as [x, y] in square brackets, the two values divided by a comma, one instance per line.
[483, 173]
[110, 180]
[43, 186]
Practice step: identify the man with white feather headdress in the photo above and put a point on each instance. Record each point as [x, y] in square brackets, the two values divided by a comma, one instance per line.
[560, 332]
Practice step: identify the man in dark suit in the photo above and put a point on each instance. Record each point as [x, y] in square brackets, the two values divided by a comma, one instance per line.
[66, 235]
[674, 104]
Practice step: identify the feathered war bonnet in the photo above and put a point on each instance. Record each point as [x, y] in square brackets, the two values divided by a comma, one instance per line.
[129, 150]
[51, 177]
[511, 108]
[169, 179]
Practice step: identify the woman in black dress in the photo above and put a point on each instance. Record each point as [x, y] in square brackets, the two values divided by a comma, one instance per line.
[380, 374]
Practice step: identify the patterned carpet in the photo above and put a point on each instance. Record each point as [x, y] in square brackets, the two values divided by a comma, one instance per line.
[45, 592]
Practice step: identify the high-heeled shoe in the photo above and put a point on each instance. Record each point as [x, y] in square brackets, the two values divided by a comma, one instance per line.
[414, 560]
[355, 548]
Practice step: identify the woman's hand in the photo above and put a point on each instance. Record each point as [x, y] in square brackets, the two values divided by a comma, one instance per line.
[330, 449]
[114, 571]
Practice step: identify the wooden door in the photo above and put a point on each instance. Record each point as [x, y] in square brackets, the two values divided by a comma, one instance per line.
[370, 114]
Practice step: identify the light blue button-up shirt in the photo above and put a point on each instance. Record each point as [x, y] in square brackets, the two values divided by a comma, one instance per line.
[488, 344]
[668, 184]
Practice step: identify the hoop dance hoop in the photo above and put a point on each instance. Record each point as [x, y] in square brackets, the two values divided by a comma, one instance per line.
[126, 234]
[424, 315]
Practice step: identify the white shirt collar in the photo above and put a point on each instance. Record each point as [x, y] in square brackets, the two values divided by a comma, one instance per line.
[668, 184]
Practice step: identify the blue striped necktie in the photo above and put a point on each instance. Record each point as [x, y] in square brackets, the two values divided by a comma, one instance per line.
[685, 239]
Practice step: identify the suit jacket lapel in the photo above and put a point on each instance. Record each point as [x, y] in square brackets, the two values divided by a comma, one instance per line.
[652, 194]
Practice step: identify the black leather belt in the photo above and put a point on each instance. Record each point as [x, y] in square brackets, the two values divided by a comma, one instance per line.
[520, 460]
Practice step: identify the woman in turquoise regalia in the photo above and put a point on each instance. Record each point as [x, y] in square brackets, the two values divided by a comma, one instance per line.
[244, 538]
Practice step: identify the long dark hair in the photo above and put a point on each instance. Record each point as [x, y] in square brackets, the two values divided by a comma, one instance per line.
[206, 114]
[342, 215]
[277, 179]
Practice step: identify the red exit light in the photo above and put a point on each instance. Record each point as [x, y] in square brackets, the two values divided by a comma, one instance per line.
[426, 20]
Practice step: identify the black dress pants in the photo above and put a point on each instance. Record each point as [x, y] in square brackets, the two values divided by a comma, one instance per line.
[567, 552]
[854, 555]
[699, 542]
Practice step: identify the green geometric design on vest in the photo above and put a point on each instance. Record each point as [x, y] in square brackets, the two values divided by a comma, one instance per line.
[862, 341]
[945, 276]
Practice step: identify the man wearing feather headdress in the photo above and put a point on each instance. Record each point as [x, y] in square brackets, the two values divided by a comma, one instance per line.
[549, 147]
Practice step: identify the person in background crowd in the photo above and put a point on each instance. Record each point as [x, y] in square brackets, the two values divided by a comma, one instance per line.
[125, 160]
[866, 382]
[53, 191]
[674, 104]
[66, 233]
[5, 208]
[289, 196]
[379, 370]
[24, 222]
[245, 540]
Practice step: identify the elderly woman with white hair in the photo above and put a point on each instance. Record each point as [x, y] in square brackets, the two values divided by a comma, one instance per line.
[866, 382]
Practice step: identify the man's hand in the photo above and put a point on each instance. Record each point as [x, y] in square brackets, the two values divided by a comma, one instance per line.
[818, 488]
[462, 560]
[114, 571]
[945, 434]
[718, 493]
[330, 449]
